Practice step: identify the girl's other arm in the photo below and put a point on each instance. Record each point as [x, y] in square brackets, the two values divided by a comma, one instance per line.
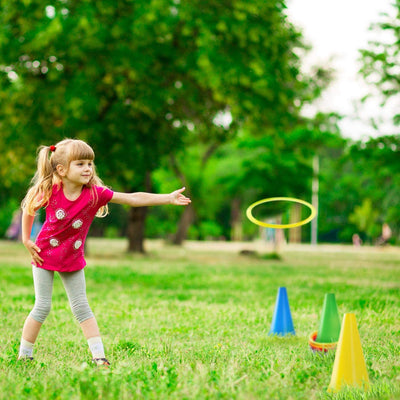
[34, 250]
[142, 199]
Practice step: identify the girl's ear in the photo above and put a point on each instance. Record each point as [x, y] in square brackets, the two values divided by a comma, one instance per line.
[61, 170]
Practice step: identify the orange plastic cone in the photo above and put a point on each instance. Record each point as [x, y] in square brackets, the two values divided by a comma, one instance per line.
[349, 368]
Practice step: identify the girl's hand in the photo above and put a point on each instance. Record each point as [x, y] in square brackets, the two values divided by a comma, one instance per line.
[34, 250]
[178, 199]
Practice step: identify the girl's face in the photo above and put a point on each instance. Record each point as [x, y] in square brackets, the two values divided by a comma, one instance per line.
[79, 172]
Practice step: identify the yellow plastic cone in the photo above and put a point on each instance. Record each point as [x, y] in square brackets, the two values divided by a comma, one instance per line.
[349, 368]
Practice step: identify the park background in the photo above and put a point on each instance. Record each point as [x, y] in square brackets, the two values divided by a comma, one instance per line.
[208, 96]
[214, 96]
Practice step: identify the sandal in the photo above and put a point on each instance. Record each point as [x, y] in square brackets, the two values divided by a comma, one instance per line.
[25, 358]
[101, 362]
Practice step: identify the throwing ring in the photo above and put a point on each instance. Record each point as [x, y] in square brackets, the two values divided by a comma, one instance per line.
[280, 226]
[316, 346]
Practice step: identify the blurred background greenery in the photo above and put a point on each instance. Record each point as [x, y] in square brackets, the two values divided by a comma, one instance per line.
[206, 94]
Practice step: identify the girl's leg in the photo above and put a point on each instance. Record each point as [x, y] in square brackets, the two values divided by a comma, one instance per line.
[43, 282]
[31, 329]
[90, 328]
[75, 286]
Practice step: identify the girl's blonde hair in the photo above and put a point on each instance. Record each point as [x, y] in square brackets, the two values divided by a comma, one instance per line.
[46, 175]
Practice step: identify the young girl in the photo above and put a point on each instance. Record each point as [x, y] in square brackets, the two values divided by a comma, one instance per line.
[66, 184]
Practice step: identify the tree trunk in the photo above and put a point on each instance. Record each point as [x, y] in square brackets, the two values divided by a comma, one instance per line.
[137, 223]
[295, 216]
[136, 226]
[279, 236]
[236, 221]
[186, 220]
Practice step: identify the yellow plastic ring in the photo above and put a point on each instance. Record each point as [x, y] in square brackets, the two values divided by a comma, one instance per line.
[280, 226]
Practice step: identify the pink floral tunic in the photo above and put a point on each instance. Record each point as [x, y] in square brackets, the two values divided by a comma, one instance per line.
[63, 234]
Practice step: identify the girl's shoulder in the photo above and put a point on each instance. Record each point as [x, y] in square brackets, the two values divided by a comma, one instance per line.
[56, 188]
[100, 189]
[102, 194]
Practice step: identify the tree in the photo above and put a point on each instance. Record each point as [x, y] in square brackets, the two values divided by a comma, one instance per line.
[381, 69]
[252, 65]
[379, 159]
[248, 168]
[364, 218]
[359, 188]
[142, 79]
[382, 58]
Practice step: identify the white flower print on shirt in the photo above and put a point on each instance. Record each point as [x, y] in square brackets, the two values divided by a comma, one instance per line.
[60, 214]
[77, 224]
[54, 242]
[77, 244]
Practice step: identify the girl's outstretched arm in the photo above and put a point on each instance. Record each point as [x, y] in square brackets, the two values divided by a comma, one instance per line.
[141, 199]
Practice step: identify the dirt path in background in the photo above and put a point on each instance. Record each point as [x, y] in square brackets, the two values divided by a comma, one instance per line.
[265, 247]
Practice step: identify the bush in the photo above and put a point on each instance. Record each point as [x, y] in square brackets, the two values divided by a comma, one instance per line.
[209, 230]
[6, 214]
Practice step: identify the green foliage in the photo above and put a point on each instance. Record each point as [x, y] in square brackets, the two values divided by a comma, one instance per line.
[376, 161]
[140, 80]
[251, 167]
[271, 256]
[209, 230]
[160, 223]
[9, 207]
[382, 57]
[111, 232]
[352, 173]
[148, 83]
[364, 218]
[134, 78]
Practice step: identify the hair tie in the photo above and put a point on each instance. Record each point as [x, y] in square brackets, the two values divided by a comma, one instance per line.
[53, 148]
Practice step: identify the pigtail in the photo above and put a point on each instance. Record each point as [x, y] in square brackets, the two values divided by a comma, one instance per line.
[42, 183]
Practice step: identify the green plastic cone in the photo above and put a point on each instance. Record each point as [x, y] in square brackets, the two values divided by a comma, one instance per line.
[329, 327]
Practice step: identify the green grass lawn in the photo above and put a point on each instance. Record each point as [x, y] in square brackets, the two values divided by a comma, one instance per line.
[192, 323]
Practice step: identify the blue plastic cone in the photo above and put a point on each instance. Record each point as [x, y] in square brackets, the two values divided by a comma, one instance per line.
[282, 323]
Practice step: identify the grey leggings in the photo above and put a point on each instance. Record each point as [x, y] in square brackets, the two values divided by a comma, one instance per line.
[75, 286]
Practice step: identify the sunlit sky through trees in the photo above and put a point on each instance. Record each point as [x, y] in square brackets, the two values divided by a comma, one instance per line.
[336, 31]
